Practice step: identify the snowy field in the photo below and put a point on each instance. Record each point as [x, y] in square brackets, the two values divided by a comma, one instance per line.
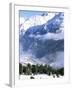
[39, 76]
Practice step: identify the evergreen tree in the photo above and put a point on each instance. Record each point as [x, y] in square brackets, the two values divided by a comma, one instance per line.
[33, 69]
[49, 70]
[45, 69]
[20, 68]
[40, 69]
[28, 70]
[60, 71]
[24, 69]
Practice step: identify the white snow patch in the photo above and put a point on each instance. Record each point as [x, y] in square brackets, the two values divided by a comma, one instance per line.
[38, 76]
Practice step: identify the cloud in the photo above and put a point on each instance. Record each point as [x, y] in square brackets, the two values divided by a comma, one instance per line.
[54, 36]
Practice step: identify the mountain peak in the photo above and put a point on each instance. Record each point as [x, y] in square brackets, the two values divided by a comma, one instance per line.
[36, 20]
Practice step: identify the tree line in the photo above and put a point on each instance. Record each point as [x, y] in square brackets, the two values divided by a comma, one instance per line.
[39, 69]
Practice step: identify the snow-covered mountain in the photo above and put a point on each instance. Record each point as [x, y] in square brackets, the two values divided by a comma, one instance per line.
[42, 39]
[35, 20]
